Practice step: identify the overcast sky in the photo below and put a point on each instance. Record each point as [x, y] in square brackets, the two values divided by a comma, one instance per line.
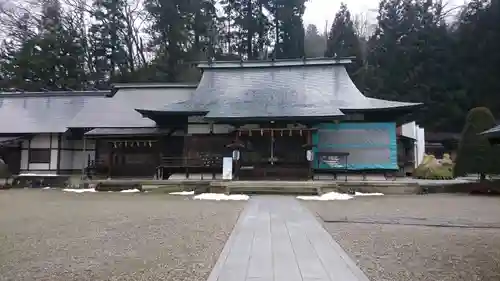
[320, 11]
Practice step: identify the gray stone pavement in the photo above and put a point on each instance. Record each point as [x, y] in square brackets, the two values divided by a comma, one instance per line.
[276, 239]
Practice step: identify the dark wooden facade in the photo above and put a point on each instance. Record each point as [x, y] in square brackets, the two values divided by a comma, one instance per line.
[142, 156]
[273, 153]
[265, 153]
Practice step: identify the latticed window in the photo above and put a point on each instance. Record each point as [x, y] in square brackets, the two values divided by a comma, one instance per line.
[39, 155]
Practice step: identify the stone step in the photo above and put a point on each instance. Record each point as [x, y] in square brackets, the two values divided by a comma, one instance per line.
[269, 187]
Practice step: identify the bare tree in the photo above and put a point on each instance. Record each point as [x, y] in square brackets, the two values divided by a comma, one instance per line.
[19, 21]
[132, 35]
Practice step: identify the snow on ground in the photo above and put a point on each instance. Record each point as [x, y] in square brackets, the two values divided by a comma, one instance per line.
[327, 197]
[48, 187]
[182, 193]
[37, 175]
[130, 191]
[330, 196]
[221, 196]
[367, 194]
[80, 190]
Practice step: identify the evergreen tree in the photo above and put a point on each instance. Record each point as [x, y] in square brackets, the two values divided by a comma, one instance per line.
[288, 27]
[344, 42]
[51, 60]
[475, 154]
[478, 41]
[107, 41]
[342, 38]
[173, 37]
[411, 59]
[314, 43]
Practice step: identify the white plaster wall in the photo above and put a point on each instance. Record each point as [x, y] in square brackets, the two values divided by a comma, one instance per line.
[38, 166]
[80, 159]
[42, 141]
[75, 158]
[24, 159]
[77, 144]
[194, 129]
[420, 145]
[54, 158]
[70, 159]
[409, 130]
[222, 129]
[66, 159]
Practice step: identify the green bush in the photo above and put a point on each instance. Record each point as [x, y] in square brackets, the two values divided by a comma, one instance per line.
[475, 154]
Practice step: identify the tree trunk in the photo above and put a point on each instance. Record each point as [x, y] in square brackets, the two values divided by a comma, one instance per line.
[250, 24]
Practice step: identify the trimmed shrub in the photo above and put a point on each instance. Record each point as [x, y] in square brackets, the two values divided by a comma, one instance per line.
[475, 154]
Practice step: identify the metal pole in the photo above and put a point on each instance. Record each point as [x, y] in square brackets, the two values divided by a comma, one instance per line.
[84, 156]
[272, 149]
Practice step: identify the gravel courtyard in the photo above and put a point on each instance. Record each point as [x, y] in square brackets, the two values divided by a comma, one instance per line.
[428, 237]
[53, 235]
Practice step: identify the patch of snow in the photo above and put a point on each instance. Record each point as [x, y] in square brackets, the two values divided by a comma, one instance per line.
[37, 175]
[130, 191]
[330, 196]
[221, 196]
[81, 190]
[367, 194]
[48, 187]
[182, 193]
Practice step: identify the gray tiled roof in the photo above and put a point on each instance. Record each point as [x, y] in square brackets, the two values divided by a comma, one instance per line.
[322, 89]
[119, 111]
[127, 131]
[42, 112]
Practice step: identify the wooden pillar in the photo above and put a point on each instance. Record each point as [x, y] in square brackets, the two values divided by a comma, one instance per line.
[311, 163]
[111, 159]
[237, 162]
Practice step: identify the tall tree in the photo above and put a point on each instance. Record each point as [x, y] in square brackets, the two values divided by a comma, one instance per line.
[342, 38]
[52, 59]
[343, 41]
[478, 38]
[289, 27]
[411, 59]
[109, 57]
[314, 42]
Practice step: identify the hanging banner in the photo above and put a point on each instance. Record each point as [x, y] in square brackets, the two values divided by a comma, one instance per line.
[227, 168]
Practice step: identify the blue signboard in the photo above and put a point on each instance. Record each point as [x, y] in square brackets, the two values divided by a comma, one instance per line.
[370, 146]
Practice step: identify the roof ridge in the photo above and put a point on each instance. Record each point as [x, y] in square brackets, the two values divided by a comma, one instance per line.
[52, 94]
[154, 85]
[276, 63]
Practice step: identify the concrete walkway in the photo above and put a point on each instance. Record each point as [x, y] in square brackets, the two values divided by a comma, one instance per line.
[276, 239]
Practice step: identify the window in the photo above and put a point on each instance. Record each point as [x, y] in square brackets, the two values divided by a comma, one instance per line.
[39, 155]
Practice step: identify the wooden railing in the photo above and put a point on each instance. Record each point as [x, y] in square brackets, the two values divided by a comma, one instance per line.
[96, 167]
[211, 164]
[193, 162]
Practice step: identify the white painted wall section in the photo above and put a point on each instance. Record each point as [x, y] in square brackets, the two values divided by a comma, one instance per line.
[223, 129]
[71, 155]
[409, 130]
[41, 141]
[24, 159]
[420, 145]
[194, 129]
